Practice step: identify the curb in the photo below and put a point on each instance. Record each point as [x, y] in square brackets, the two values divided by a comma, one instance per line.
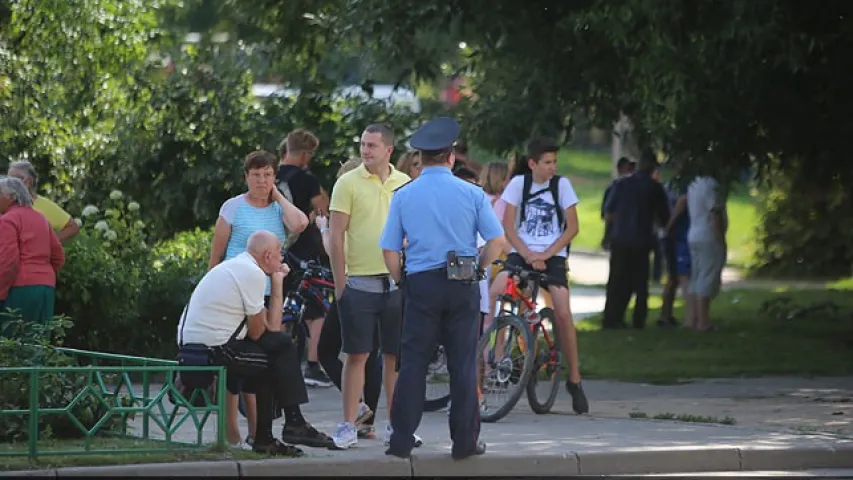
[613, 462]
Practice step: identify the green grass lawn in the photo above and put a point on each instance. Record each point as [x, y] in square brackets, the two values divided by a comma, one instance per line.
[589, 172]
[747, 344]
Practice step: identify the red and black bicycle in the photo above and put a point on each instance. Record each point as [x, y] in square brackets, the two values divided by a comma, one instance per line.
[517, 350]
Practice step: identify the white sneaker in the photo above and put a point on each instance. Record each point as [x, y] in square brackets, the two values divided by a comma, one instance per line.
[388, 431]
[345, 436]
[241, 445]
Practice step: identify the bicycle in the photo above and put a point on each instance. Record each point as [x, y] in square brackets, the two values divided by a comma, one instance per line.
[516, 312]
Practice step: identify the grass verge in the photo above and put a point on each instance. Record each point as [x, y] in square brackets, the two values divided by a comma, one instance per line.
[47, 461]
[749, 342]
[589, 172]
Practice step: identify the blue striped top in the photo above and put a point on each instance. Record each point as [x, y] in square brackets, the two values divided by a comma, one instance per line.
[245, 220]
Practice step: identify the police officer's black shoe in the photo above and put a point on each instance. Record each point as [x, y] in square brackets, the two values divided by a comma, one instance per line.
[479, 449]
[579, 402]
[398, 455]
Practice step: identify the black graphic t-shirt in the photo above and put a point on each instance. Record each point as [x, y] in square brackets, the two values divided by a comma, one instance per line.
[304, 186]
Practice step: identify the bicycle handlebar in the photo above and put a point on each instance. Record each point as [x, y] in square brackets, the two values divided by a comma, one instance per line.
[307, 265]
[525, 273]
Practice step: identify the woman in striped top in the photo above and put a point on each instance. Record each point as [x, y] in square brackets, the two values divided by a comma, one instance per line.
[262, 207]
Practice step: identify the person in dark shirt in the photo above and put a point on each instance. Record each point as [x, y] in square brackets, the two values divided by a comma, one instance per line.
[624, 167]
[294, 178]
[633, 206]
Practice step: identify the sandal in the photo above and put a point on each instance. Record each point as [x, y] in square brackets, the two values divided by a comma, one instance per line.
[306, 435]
[278, 448]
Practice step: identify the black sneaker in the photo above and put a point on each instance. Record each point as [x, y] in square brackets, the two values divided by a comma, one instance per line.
[479, 449]
[306, 435]
[316, 377]
[277, 448]
[579, 402]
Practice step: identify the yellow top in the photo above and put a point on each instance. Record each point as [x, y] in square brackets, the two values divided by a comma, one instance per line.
[362, 196]
[55, 215]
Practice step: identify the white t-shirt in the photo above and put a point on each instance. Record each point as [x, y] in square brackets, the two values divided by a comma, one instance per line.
[227, 294]
[540, 228]
[703, 196]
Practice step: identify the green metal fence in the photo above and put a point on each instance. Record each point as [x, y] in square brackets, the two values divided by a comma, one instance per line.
[117, 395]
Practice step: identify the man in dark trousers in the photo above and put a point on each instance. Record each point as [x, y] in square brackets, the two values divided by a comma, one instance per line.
[634, 204]
[624, 167]
[440, 216]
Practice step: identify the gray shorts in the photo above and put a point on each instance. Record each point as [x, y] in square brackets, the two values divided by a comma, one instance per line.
[364, 314]
[707, 259]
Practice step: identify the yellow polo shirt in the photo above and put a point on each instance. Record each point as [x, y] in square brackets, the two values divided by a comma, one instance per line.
[362, 196]
[55, 215]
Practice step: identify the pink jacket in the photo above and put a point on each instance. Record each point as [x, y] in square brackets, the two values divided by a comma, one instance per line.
[30, 252]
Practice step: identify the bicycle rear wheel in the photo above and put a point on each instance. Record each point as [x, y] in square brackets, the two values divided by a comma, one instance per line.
[437, 382]
[505, 363]
[545, 377]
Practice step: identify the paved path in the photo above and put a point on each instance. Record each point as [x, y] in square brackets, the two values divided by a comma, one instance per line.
[607, 441]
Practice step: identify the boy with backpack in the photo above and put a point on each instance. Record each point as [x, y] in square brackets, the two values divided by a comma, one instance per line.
[540, 222]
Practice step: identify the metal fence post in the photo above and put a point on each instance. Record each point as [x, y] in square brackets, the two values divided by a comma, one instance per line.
[34, 414]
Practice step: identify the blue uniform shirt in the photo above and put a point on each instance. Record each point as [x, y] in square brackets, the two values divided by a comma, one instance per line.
[438, 213]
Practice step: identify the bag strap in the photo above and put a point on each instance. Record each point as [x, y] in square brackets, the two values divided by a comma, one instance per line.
[288, 175]
[554, 187]
[184, 323]
[236, 332]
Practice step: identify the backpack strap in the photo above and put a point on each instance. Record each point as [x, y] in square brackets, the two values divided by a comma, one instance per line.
[525, 195]
[554, 187]
[288, 175]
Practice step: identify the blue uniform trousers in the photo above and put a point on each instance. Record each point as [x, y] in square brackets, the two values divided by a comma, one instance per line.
[438, 310]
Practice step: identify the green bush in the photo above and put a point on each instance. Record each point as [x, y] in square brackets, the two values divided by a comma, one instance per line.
[105, 270]
[177, 266]
[56, 390]
[806, 232]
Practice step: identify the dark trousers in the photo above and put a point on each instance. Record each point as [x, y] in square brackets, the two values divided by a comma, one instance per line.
[657, 259]
[328, 350]
[280, 385]
[436, 311]
[629, 274]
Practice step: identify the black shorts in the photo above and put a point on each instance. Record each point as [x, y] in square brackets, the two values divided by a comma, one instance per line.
[555, 268]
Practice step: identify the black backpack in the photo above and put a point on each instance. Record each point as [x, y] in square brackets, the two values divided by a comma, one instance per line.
[553, 187]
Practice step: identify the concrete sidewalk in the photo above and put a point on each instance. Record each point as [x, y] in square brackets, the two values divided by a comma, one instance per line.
[525, 444]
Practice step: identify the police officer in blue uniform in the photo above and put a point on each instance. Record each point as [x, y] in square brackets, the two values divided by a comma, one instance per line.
[440, 216]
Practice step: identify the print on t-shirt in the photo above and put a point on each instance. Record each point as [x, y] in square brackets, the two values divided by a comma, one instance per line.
[541, 227]
[540, 219]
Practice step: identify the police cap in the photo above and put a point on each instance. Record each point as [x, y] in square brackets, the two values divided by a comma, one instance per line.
[435, 136]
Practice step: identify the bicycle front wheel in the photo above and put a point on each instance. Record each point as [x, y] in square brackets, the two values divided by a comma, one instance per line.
[505, 362]
[545, 378]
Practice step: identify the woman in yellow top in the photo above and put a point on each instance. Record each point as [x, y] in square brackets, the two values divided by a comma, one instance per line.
[60, 221]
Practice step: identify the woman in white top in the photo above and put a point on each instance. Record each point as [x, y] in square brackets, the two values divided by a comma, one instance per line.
[706, 239]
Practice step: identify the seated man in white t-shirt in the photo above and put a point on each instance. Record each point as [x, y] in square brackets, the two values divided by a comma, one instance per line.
[230, 293]
[540, 225]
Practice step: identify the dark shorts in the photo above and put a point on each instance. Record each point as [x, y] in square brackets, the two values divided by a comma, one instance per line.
[555, 268]
[362, 313]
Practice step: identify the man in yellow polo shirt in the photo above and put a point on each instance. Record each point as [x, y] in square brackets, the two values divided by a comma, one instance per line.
[369, 303]
[59, 219]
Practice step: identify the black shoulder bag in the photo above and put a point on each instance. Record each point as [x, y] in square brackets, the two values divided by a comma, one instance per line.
[241, 362]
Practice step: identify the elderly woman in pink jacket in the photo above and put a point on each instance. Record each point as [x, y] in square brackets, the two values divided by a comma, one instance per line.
[30, 257]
